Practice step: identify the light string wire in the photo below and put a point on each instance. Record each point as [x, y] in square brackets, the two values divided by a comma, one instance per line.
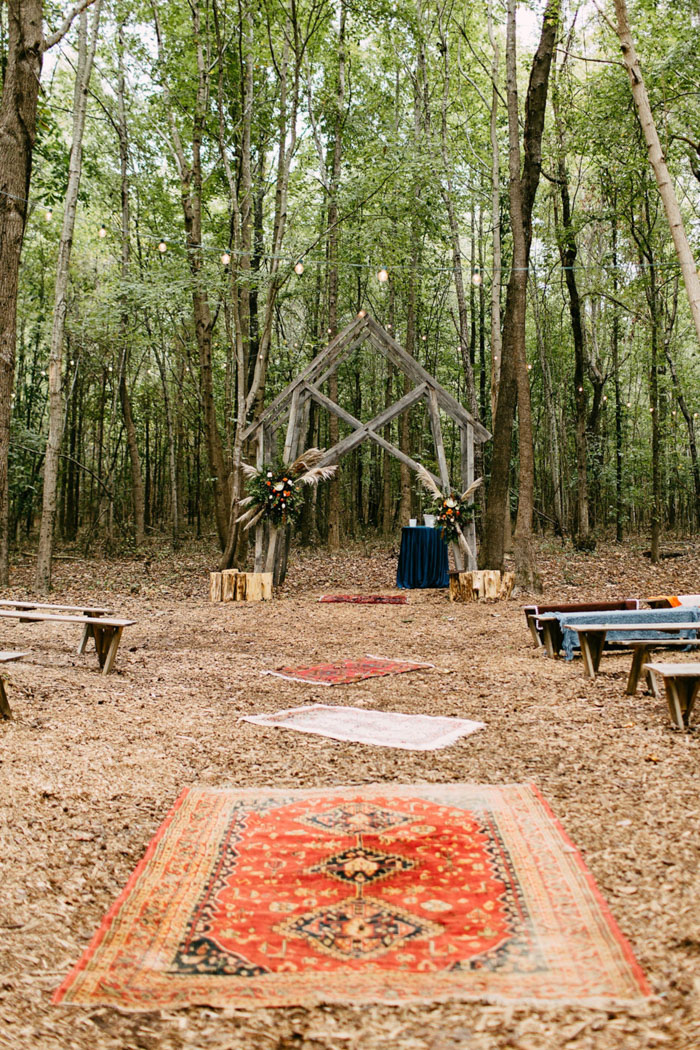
[163, 243]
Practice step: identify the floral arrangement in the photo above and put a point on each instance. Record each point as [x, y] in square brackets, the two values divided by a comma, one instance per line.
[275, 491]
[451, 510]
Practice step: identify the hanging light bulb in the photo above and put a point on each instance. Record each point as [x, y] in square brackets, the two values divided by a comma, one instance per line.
[298, 267]
[49, 214]
[476, 277]
[162, 246]
[102, 232]
[382, 275]
[225, 258]
[361, 313]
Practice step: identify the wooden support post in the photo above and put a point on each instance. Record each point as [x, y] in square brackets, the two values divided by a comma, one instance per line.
[466, 436]
[215, 587]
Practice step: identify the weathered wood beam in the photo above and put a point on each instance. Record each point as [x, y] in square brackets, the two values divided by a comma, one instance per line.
[340, 358]
[466, 438]
[384, 417]
[436, 427]
[276, 406]
[401, 456]
[416, 371]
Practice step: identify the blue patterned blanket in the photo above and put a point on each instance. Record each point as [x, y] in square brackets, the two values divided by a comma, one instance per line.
[686, 614]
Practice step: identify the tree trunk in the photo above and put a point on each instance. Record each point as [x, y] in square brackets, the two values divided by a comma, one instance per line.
[333, 240]
[514, 382]
[86, 54]
[17, 132]
[658, 163]
[137, 492]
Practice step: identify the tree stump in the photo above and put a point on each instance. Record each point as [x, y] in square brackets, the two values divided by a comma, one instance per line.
[479, 584]
[228, 588]
[215, 586]
[234, 586]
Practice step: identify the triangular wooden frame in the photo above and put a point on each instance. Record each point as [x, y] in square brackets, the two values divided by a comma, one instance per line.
[292, 405]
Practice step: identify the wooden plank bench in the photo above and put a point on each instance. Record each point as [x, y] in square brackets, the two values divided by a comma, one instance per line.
[592, 637]
[641, 651]
[682, 683]
[6, 657]
[83, 610]
[537, 630]
[105, 630]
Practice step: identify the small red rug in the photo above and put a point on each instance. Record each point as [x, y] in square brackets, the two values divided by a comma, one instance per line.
[347, 671]
[386, 893]
[366, 599]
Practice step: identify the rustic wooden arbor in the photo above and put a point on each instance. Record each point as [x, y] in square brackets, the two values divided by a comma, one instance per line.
[293, 403]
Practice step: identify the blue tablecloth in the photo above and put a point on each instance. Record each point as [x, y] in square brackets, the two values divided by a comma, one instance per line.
[685, 614]
[422, 559]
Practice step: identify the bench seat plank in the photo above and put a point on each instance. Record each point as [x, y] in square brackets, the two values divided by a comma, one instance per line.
[592, 637]
[85, 610]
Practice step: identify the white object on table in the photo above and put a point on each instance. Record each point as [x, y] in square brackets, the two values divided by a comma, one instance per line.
[429, 520]
[413, 522]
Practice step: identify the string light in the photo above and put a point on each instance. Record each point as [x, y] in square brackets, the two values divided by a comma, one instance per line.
[298, 268]
[49, 214]
[382, 275]
[102, 232]
[162, 246]
[226, 258]
[476, 277]
[361, 313]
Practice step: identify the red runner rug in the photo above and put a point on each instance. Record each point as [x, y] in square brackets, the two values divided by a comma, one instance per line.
[387, 893]
[347, 671]
[366, 599]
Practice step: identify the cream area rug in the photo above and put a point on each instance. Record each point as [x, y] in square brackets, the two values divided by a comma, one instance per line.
[383, 728]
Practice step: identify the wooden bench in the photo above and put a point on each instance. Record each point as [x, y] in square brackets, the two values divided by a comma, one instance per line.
[641, 651]
[105, 630]
[82, 610]
[6, 657]
[533, 613]
[592, 637]
[682, 683]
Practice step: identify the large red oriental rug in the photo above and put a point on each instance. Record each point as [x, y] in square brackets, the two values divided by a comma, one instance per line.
[347, 671]
[387, 893]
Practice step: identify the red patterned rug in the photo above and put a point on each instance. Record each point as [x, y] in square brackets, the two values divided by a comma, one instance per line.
[347, 671]
[366, 599]
[387, 893]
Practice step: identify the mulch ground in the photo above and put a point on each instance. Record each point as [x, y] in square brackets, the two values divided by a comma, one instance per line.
[91, 764]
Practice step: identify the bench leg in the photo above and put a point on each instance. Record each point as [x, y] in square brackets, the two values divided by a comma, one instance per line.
[5, 709]
[677, 700]
[640, 657]
[533, 631]
[87, 633]
[591, 651]
[548, 635]
[103, 639]
[693, 694]
[107, 649]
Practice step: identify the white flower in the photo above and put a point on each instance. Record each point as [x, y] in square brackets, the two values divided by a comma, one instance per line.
[269, 473]
[278, 486]
[450, 502]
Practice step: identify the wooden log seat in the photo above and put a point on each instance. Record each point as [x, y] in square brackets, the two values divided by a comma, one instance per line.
[234, 586]
[105, 630]
[480, 583]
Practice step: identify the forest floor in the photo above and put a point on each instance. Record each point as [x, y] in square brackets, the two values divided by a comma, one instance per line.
[90, 765]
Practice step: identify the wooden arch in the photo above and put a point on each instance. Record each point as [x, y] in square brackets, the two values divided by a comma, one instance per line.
[293, 403]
